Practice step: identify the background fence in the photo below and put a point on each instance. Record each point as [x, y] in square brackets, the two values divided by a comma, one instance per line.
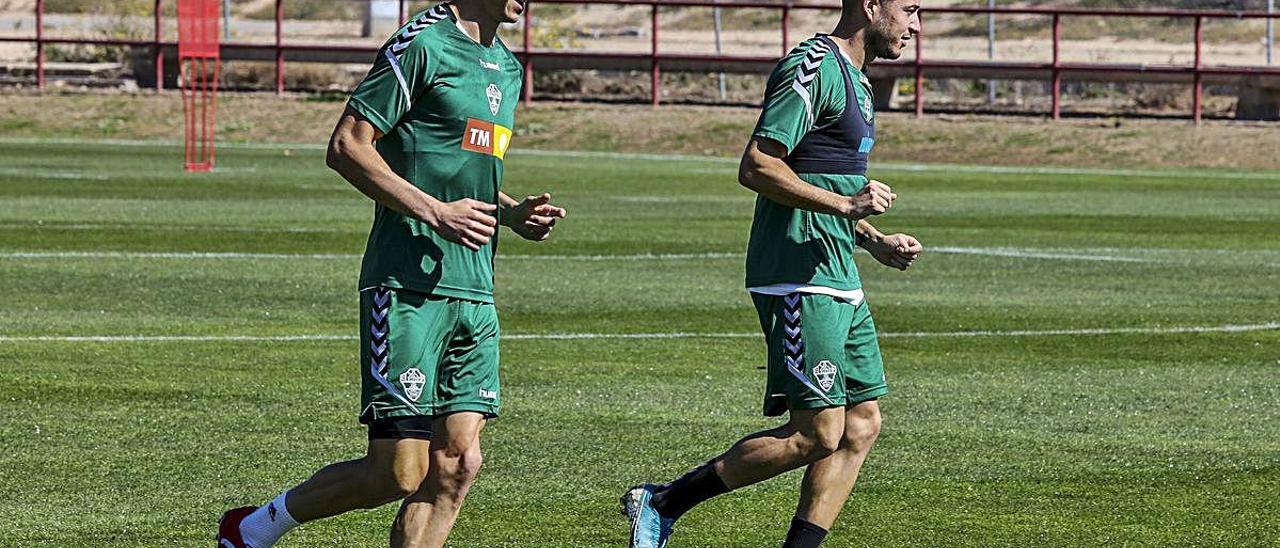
[1262, 80]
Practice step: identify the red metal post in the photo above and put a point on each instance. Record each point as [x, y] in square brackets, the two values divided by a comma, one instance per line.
[204, 113]
[528, 54]
[786, 29]
[1197, 100]
[279, 47]
[655, 90]
[40, 44]
[159, 50]
[1057, 69]
[211, 116]
[920, 71]
[404, 12]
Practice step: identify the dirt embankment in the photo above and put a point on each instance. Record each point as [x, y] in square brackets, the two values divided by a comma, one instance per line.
[684, 130]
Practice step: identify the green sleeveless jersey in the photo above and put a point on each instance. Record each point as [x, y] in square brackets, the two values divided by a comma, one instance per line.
[445, 105]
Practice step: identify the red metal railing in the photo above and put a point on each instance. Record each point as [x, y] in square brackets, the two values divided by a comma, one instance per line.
[919, 67]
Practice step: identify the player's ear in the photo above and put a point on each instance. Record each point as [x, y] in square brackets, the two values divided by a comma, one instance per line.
[870, 8]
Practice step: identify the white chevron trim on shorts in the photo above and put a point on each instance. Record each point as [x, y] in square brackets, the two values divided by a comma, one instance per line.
[379, 348]
[793, 343]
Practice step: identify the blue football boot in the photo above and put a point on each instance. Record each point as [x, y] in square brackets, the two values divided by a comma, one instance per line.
[648, 528]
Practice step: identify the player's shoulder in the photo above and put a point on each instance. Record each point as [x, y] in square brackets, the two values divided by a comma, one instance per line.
[420, 31]
[807, 60]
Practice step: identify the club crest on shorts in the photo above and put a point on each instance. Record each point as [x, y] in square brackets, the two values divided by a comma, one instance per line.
[495, 98]
[825, 374]
[412, 381]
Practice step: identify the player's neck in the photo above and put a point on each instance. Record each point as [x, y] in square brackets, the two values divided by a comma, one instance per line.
[474, 22]
[851, 37]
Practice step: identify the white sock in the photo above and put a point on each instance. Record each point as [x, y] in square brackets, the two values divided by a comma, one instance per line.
[267, 524]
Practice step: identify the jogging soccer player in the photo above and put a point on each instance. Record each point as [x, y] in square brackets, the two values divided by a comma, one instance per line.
[424, 136]
[807, 160]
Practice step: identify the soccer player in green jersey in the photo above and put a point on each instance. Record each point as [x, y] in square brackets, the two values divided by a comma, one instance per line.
[807, 160]
[424, 136]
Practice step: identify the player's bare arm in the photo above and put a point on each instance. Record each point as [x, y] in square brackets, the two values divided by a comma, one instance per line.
[764, 171]
[353, 155]
[899, 251]
[531, 219]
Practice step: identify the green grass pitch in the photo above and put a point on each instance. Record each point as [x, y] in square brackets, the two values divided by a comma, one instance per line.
[1160, 427]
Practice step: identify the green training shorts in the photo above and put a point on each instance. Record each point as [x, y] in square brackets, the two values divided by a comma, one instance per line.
[423, 355]
[823, 352]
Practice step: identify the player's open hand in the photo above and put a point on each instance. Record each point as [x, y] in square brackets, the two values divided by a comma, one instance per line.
[873, 199]
[466, 221]
[534, 218]
[899, 251]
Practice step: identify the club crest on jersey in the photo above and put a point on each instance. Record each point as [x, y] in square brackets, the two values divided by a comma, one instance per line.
[825, 373]
[486, 138]
[412, 381]
[495, 98]
[867, 107]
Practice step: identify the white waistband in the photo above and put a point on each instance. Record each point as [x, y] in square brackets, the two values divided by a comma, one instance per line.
[852, 296]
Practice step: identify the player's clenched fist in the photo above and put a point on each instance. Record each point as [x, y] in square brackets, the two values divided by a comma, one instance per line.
[533, 218]
[873, 199]
[466, 221]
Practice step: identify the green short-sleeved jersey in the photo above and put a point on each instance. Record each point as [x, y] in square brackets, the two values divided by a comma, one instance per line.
[795, 246]
[446, 106]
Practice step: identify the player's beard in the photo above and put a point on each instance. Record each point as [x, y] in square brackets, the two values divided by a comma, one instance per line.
[882, 41]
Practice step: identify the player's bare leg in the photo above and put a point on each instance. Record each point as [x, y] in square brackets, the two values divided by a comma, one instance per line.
[427, 516]
[828, 482]
[392, 470]
[811, 434]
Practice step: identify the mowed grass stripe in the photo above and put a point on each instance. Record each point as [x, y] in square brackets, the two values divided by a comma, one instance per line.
[674, 335]
[727, 163]
[1015, 253]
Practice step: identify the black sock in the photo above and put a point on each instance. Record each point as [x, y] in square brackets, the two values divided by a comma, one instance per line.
[804, 535]
[689, 490]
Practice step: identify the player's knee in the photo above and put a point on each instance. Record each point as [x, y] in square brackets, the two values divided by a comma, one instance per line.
[820, 443]
[458, 469]
[403, 485]
[828, 441]
[862, 427]
[469, 464]
[392, 484]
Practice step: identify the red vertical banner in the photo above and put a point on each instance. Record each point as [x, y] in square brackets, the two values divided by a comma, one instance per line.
[199, 65]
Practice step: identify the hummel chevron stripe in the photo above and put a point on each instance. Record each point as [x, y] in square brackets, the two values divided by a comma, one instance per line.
[379, 362]
[378, 331]
[793, 345]
[807, 72]
[414, 28]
